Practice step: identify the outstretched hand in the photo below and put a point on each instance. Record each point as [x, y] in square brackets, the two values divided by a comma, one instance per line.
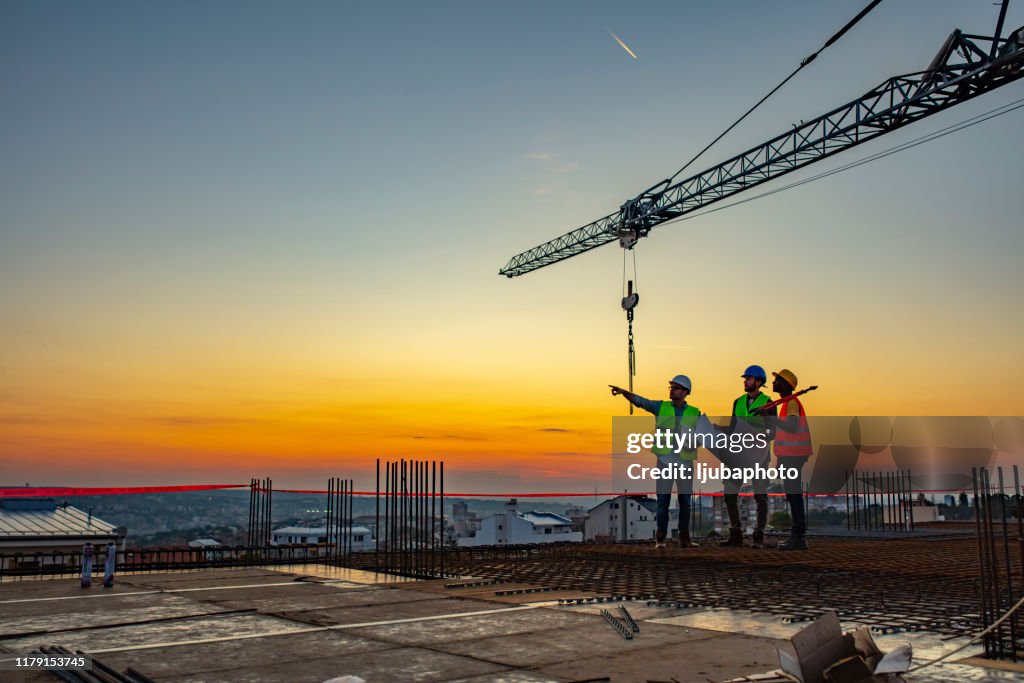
[616, 390]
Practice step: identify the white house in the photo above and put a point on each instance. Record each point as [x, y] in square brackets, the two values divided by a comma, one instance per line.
[624, 518]
[513, 528]
[360, 538]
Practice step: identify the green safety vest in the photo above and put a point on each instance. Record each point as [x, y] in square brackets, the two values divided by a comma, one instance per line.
[667, 420]
[741, 410]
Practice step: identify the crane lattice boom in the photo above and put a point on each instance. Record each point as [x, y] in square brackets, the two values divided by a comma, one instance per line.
[898, 101]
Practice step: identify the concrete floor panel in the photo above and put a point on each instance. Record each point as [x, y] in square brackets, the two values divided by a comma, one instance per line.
[226, 656]
[383, 666]
[714, 658]
[159, 632]
[354, 614]
[541, 648]
[473, 627]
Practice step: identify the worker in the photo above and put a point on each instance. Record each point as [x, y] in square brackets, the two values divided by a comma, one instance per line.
[674, 415]
[792, 450]
[747, 418]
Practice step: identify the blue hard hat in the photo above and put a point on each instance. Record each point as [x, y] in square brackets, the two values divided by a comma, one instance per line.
[757, 372]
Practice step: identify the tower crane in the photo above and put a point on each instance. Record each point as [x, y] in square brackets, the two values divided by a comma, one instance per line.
[985, 63]
[965, 67]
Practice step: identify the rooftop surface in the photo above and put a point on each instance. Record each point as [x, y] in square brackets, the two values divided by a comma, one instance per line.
[60, 521]
[313, 623]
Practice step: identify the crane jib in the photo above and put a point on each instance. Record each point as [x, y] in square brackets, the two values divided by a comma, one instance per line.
[893, 104]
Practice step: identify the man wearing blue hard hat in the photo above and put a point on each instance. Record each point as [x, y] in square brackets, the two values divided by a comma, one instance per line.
[747, 416]
[674, 415]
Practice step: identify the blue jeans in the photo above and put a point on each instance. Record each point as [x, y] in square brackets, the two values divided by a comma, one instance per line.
[684, 487]
[664, 500]
[795, 493]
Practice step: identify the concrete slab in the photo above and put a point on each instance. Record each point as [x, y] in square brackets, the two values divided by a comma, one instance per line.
[481, 626]
[212, 577]
[189, 628]
[714, 658]
[511, 676]
[225, 656]
[549, 647]
[400, 664]
[27, 617]
[319, 596]
[354, 614]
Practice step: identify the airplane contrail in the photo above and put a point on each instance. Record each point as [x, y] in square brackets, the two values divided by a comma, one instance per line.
[624, 46]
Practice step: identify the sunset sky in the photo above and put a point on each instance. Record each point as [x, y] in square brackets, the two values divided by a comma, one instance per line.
[244, 239]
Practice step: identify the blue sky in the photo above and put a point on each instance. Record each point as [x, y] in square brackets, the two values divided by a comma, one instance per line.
[227, 201]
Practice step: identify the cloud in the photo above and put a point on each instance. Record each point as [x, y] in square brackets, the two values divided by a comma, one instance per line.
[195, 421]
[574, 453]
[552, 162]
[541, 191]
[558, 430]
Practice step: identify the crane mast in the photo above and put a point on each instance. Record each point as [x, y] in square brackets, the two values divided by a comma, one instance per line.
[966, 66]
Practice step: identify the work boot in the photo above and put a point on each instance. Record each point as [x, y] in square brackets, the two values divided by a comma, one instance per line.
[735, 539]
[685, 541]
[659, 540]
[757, 539]
[794, 543]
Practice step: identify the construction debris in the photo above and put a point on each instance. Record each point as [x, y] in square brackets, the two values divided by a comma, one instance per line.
[824, 654]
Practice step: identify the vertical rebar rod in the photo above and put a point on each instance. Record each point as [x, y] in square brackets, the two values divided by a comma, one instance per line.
[1009, 567]
[376, 521]
[423, 517]
[393, 522]
[990, 556]
[433, 517]
[982, 573]
[414, 503]
[847, 501]
[252, 494]
[444, 545]
[329, 520]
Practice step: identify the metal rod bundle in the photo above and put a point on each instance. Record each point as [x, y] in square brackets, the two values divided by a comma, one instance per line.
[879, 501]
[410, 518]
[1000, 578]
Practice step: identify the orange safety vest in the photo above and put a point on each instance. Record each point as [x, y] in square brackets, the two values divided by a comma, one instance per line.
[795, 444]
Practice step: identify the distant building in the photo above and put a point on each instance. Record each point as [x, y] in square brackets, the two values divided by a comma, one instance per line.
[464, 523]
[513, 528]
[625, 518]
[36, 527]
[359, 537]
[578, 515]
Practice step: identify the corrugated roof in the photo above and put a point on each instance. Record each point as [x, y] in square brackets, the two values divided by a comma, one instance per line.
[545, 518]
[62, 521]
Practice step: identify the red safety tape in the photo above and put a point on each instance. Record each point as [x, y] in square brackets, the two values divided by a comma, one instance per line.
[57, 491]
[50, 491]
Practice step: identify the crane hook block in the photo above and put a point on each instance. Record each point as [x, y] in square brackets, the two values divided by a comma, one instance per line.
[628, 239]
[631, 299]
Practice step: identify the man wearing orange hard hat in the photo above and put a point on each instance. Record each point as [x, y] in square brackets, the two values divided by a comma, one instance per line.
[792, 450]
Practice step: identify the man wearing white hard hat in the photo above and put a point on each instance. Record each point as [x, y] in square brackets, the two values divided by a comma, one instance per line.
[674, 415]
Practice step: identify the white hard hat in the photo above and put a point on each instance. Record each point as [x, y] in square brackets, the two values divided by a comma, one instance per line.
[683, 381]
